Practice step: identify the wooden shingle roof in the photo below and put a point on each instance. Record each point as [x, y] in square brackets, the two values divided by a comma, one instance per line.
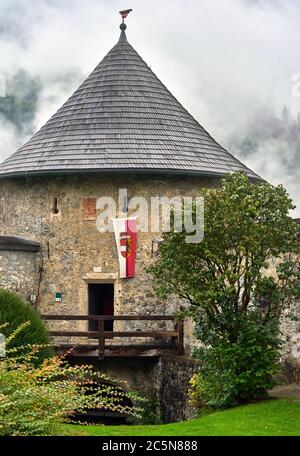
[122, 119]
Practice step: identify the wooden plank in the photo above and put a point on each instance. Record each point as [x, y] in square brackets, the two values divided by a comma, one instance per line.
[110, 317]
[118, 350]
[140, 334]
[67, 346]
[74, 333]
[67, 317]
[136, 317]
[93, 334]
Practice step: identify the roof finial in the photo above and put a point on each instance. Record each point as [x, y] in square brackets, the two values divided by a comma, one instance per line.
[124, 14]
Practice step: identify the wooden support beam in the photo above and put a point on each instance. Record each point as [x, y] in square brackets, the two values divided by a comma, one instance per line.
[88, 347]
[101, 341]
[107, 334]
[180, 337]
[91, 334]
[137, 333]
[92, 351]
[110, 317]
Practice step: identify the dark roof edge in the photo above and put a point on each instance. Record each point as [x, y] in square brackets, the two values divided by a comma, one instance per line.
[18, 244]
[154, 171]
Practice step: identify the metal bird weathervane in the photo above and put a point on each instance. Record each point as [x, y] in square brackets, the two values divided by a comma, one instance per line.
[124, 14]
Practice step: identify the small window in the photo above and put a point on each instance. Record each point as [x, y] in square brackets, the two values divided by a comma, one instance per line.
[55, 209]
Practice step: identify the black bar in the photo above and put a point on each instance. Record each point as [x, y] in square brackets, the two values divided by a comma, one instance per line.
[198, 446]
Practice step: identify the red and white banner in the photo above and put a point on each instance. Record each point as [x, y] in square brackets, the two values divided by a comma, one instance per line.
[125, 233]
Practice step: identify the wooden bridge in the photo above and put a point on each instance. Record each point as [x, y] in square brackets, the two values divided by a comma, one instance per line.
[164, 342]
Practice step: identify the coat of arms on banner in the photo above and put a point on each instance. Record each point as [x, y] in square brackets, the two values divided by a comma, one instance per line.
[125, 234]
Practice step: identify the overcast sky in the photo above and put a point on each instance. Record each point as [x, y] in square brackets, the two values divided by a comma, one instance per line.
[229, 62]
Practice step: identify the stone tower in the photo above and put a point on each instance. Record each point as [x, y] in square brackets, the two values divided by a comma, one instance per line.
[121, 129]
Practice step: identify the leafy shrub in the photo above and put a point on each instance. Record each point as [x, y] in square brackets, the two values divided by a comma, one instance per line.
[149, 412]
[236, 369]
[14, 311]
[38, 400]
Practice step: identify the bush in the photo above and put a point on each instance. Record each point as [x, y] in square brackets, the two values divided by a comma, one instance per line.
[38, 400]
[149, 412]
[14, 311]
[236, 370]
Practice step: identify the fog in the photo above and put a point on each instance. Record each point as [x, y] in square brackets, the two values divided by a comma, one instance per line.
[230, 64]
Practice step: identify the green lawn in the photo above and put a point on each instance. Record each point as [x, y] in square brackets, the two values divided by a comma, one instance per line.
[280, 417]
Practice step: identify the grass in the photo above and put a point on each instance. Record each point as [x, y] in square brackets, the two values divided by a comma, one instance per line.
[280, 417]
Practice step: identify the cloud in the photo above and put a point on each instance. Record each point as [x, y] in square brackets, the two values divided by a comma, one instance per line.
[8, 136]
[229, 63]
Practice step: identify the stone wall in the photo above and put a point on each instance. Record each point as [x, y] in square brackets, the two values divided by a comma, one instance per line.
[132, 374]
[290, 328]
[73, 251]
[174, 374]
[290, 334]
[19, 272]
[164, 381]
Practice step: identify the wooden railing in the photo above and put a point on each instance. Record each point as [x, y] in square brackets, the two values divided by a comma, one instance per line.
[101, 334]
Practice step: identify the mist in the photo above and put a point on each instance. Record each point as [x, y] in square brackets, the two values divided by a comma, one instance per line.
[231, 64]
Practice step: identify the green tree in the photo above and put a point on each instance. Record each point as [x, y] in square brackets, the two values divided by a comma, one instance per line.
[14, 312]
[236, 283]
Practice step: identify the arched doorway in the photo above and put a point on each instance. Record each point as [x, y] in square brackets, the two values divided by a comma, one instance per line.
[101, 415]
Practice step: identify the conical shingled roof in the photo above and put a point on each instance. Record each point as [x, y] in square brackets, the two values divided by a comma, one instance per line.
[122, 119]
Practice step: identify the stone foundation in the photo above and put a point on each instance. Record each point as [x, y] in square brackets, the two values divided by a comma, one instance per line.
[174, 375]
[162, 380]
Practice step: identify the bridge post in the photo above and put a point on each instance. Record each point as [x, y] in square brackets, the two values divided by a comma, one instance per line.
[180, 337]
[101, 340]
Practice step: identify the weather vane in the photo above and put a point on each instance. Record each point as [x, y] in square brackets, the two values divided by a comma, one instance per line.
[124, 14]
